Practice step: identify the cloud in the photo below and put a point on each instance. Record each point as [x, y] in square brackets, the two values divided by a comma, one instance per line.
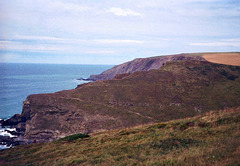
[70, 7]
[9, 57]
[59, 45]
[232, 40]
[118, 41]
[123, 12]
[49, 39]
[225, 43]
[4, 42]
[19, 46]
[100, 52]
[38, 38]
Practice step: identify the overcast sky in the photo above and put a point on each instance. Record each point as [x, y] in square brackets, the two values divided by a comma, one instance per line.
[114, 31]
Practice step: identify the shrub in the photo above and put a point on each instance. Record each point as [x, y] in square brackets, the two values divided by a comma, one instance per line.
[158, 126]
[203, 124]
[161, 125]
[190, 124]
[74, 137]
[183, 126]
[173, 143]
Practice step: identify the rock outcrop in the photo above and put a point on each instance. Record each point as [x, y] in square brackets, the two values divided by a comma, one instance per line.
[142, 64]
[178, 89]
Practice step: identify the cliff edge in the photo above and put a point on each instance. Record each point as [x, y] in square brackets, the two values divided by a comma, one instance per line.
[146, 64]
[178, 89]
[142, 64]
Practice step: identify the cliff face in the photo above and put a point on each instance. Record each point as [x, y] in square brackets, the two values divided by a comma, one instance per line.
[178, 89]
[142, 64]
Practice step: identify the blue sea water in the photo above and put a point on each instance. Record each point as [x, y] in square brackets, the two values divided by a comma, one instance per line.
[17, 81]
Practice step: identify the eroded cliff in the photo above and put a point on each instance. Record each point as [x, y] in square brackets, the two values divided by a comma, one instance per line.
[142, 64]
[178, 89]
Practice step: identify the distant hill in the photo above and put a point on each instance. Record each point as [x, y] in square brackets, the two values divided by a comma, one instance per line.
[210, 139]
[146, 64]
[178, 89]
[142, 64]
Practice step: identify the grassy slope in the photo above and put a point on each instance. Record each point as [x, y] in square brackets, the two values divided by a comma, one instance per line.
[210, 139]
[176, 90]
[179, 89]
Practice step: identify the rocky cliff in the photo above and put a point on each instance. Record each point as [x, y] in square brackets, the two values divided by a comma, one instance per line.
[143, 64]
[178, 89]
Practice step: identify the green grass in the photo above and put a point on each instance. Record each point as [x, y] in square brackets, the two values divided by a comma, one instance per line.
[74, 137]
[209, 139]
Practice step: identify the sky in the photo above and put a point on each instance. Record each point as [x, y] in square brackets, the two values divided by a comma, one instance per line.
[114, 31]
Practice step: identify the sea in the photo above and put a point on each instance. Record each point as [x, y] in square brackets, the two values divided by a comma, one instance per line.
[18, 80]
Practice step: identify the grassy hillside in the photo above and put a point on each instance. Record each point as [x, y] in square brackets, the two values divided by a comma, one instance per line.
[156, 62]
[179, 89]
[227, 58]
[210, 139]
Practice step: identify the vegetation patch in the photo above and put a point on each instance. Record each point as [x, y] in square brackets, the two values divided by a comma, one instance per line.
[173, 143]
[227, 120]
[158, 126]
[127, 132]
[210, 139]
[183, 126]
[203, 124]
[74, 137]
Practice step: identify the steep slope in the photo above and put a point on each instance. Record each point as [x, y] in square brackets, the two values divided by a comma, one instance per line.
[142, 64]
[210, 139]
[146, 64]
[179, 89]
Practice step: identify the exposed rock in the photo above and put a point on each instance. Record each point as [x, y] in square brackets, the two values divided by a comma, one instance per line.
[142, 64]
[19, 121]
[12, 121]
[84, 79]
[173, 91]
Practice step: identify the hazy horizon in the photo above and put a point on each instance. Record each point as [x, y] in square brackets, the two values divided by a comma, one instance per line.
[56, 63]
[113, 32]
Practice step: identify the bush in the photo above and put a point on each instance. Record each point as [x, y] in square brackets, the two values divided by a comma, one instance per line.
[183, 126]
[203, 124]
[173, 143]
[158, 126]
[74, 137]
[190, 124]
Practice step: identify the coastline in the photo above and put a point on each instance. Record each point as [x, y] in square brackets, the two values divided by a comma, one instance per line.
[8, 137]
[21, 129]
[30, 79]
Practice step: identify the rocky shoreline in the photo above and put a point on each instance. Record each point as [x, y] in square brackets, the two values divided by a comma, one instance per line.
[85, 79]
[9, 135]
[131, 94]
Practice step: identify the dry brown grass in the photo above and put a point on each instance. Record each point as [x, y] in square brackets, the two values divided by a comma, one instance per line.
[223, 58]
[209, 139]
